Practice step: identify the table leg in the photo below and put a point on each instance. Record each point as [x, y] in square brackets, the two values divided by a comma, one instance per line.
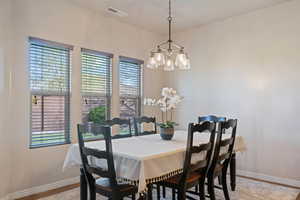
[233, 172]
[83, 186]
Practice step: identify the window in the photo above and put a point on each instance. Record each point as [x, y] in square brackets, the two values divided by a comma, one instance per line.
[49, 64]
[130, 73]
[95, 87]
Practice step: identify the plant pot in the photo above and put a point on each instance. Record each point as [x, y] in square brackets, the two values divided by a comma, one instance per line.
[166, 133]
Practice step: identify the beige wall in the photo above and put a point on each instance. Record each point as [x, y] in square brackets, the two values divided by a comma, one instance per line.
[68, 23]
[5, 150]
[248, 67]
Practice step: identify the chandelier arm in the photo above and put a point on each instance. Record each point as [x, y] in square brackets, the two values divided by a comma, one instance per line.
[163, 43]
[177, 45]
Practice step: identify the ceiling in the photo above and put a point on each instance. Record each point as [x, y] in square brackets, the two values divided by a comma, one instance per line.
[152, 14]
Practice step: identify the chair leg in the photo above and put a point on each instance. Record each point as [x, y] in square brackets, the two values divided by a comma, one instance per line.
[173, 194]
[220, 180]
[92, 194]
[164, 191]
[133, 197]
[83, 186]
[233, 172]
[158, 191]
[202, 189]
[181, 195]
[211, 188]
[197, 188]
[224, 186]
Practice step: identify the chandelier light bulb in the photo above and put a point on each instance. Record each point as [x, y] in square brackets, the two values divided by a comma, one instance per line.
[181, 60]
[152, 64]
[159, 58]
[169, 65]
[188, 66]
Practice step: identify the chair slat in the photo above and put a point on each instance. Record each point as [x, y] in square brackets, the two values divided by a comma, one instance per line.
[100, 172]
[206, 126]
[94, 152]
[226, 142]
[120, 122]
[223, 156]
[140, 120]
[202, 147]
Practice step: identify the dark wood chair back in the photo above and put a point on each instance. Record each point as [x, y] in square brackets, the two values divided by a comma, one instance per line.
[138, 121]
[202, 165]
[223, 158]
[120, 122]
[106, 154]
[211, 118]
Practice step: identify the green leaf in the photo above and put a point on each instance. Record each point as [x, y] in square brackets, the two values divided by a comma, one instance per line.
[167, 124]
[97, 115]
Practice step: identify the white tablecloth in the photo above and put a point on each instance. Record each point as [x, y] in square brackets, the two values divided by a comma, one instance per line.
[146, 158]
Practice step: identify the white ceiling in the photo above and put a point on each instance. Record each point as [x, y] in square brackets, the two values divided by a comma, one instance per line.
[152, 14]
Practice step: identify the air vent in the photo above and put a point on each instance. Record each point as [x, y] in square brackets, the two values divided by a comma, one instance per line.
[117, 12]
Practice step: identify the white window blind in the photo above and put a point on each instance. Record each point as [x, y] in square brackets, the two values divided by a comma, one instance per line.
[49, 64]
[130, 78]
[96, 84]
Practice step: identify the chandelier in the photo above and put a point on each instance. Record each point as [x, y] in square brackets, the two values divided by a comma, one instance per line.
[169, 55]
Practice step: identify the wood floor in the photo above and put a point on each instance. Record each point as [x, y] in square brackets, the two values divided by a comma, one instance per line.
[298, 198]
[50, 192]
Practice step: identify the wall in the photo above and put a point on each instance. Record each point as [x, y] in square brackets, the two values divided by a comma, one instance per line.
[248, 67]
[68, 23]
[5, 157]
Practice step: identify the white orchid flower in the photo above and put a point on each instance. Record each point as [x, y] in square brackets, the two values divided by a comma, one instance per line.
[166, 92]
[168, 101]
[149, 102]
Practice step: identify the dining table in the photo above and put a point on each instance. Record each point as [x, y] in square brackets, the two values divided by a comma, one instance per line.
[143, 160]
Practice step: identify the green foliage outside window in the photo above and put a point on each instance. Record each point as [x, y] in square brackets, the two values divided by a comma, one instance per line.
[97, 115]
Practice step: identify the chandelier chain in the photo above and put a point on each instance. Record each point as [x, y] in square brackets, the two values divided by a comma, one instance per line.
[170, 25]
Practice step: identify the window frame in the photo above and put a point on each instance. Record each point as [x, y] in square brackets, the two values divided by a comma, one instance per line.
[141, 79]
[66, 95]
[109, 78]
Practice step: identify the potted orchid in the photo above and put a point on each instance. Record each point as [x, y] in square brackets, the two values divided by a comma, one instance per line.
[167, 103]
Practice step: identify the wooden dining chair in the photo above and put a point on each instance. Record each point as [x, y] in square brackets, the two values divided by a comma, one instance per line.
[221, 158]
[121, 123]
[107, 185]
[211, 118]
[193, 173]
[138, 121]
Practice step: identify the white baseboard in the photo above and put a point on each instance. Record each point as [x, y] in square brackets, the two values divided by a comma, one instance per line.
[42, 188]
[285, 181]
